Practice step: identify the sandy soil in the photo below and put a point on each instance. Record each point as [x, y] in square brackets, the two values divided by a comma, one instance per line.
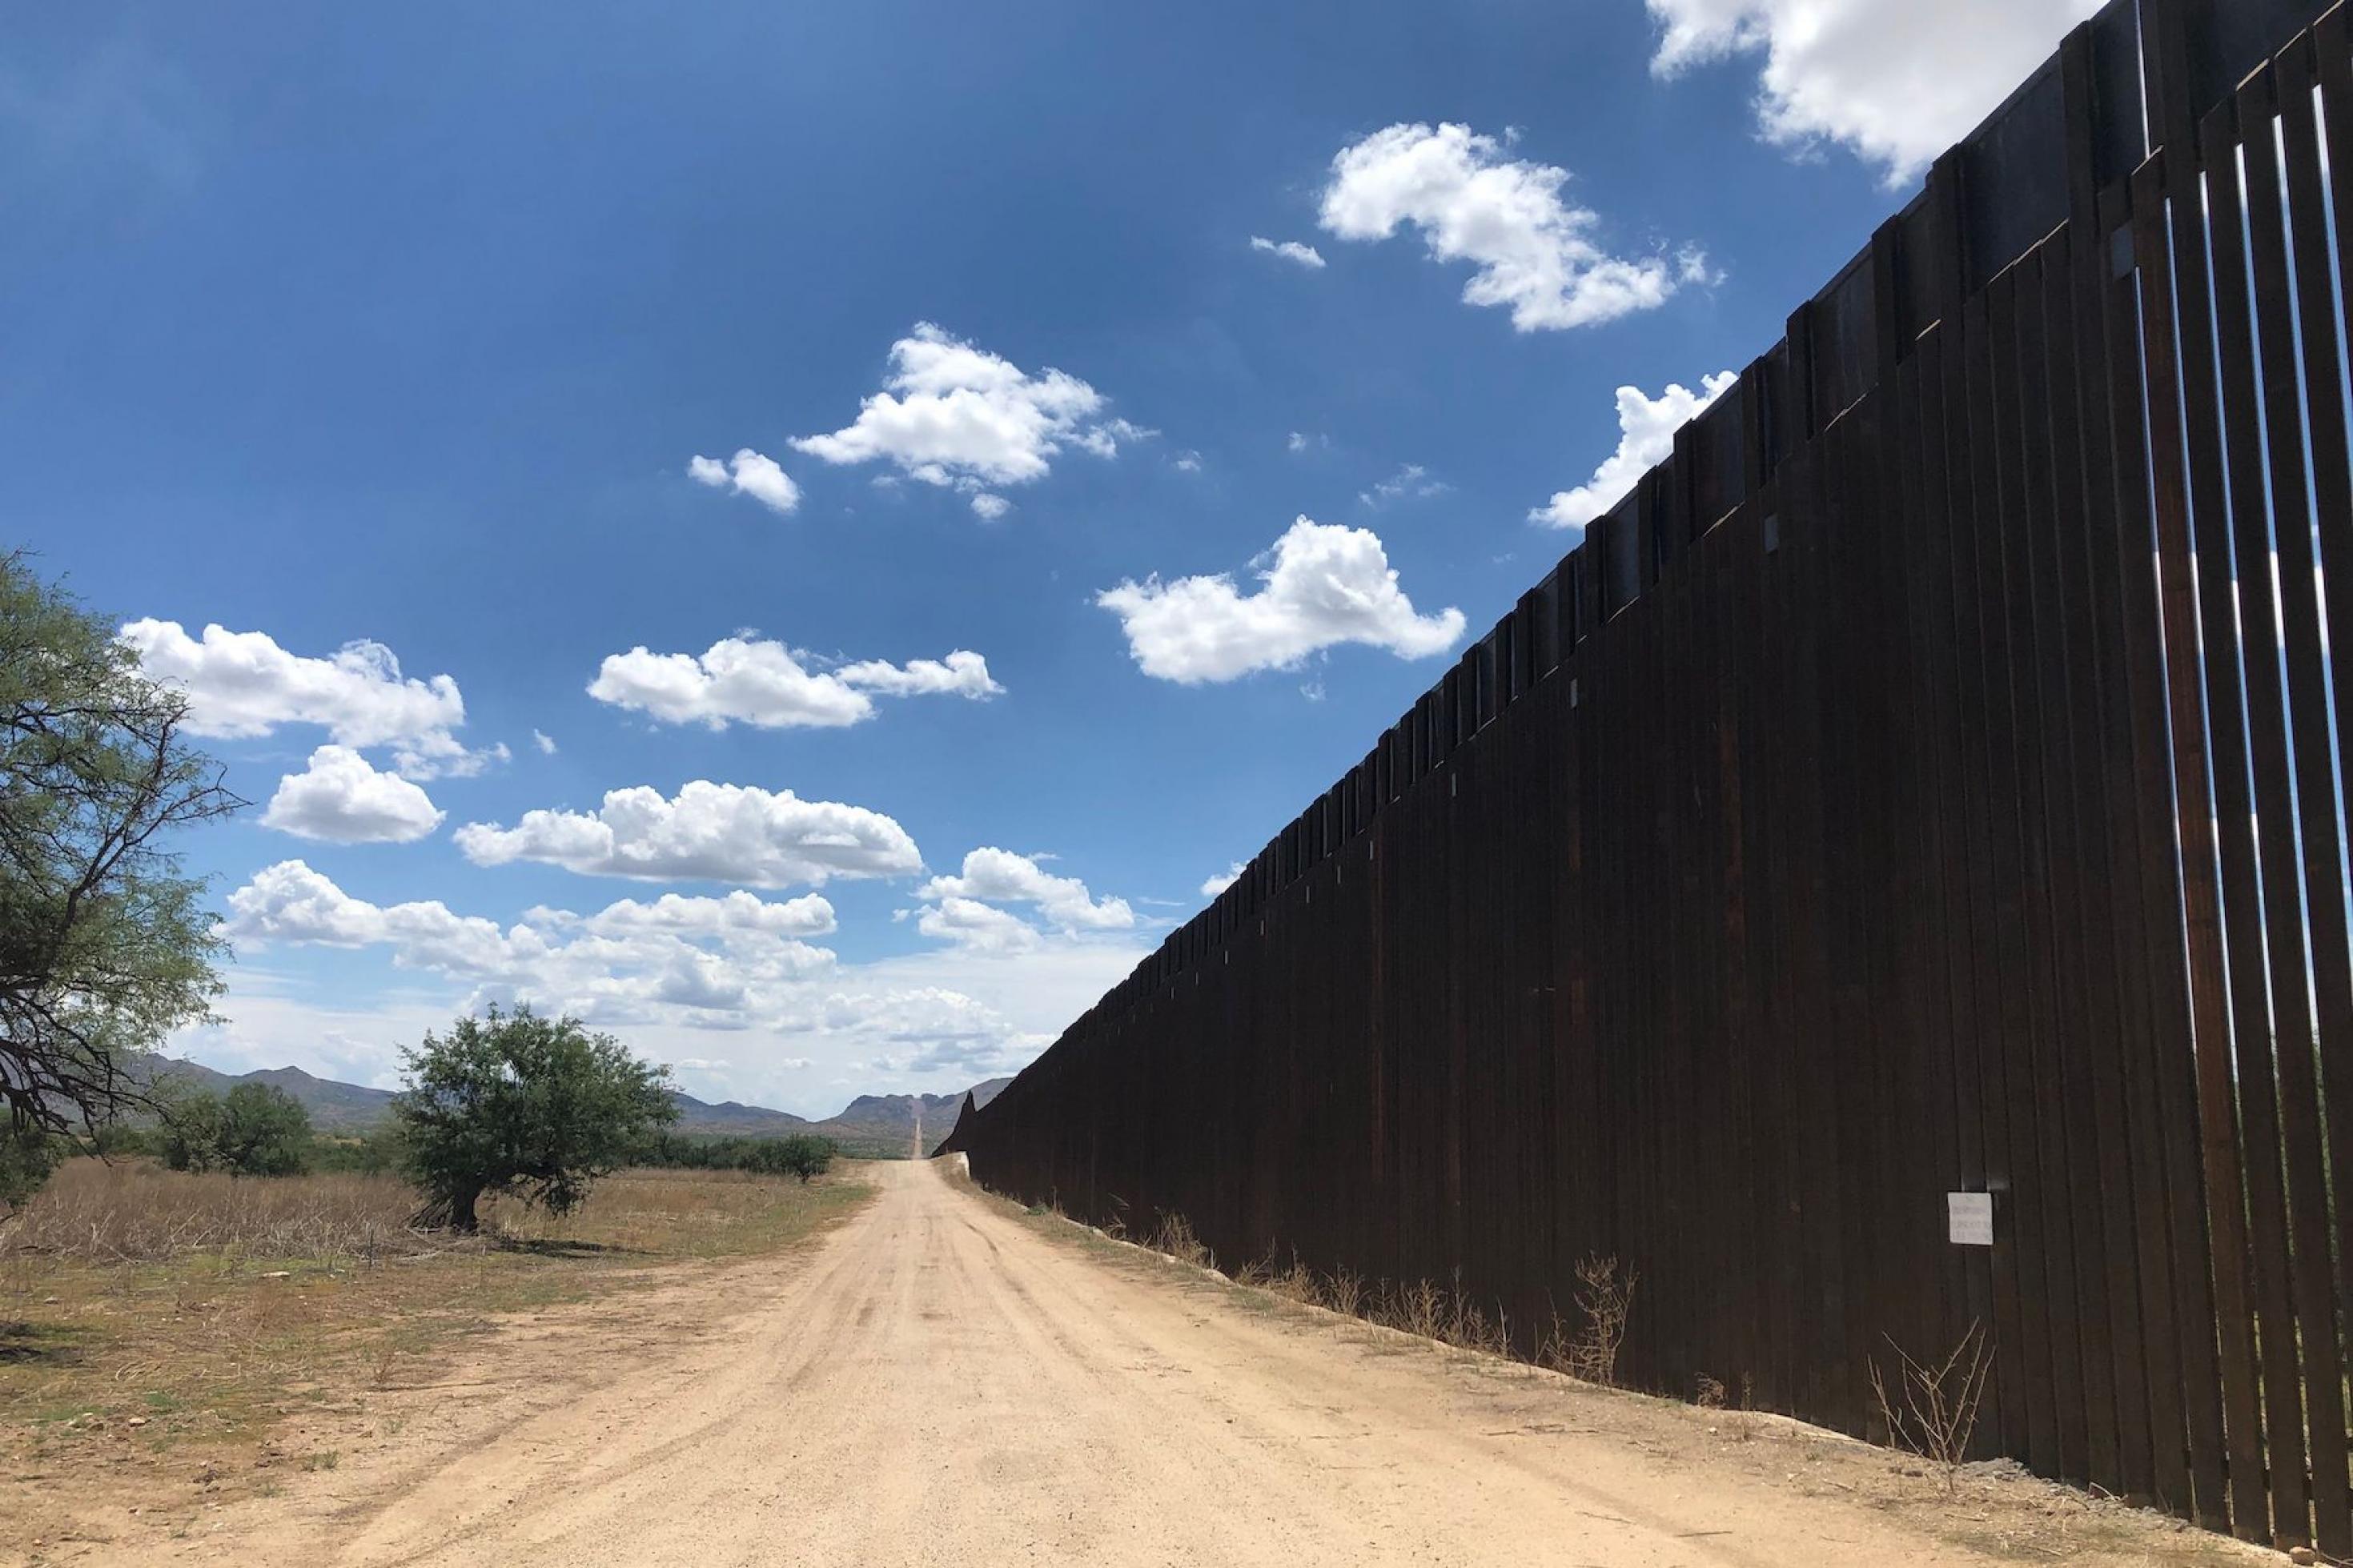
[944, 1381]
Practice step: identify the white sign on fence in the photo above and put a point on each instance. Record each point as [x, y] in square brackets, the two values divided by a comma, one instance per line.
[1969, 1219]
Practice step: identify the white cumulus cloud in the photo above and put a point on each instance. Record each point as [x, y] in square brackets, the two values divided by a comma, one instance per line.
[1534, 252]
[961, 674]
[1001, 876]
[341, 798]
[729, 963]
[708, 832]
[955, 415]
[1321, 585]
[738, 916]
[764, 683]
[1306, 255]
[545, 742]
[748, 473]
[242, 685]
[1222, 881]
[916, 1019]
[1646, 438]
[977, 927]
[1895, 80]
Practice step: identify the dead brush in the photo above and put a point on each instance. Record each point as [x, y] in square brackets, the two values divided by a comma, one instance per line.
[1174, 1236]
[1468, 1328]
[1742, 1420]
[1418, 1309]
[1934, 1409]
[387, 1364]
[1428, 1312]
[134, 1212]
[1296, 1283]
[1711, 1396]
[1293, 1281]
[1606, 1297]
[1344, 1292]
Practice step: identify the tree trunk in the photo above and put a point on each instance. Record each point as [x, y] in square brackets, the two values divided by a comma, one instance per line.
[461, 1210]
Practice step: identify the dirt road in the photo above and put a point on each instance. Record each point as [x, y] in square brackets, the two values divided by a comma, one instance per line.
[944, 1383]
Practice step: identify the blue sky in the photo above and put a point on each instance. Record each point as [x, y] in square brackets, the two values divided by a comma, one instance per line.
[407, 326]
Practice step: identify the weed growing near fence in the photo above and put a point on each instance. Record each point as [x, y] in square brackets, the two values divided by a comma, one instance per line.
[1174, 1236]
[1606, 1299]
[1933, 1410]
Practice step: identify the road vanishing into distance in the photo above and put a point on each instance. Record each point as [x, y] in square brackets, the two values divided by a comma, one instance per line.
[944, 1381]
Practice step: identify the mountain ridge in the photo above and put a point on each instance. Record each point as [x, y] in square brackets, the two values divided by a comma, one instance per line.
[875, 1122]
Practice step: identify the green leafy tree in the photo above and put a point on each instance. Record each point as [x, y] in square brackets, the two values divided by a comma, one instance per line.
[372, 1152]
[28, 1154]
[516, 1104]
[105, 947]
[255, 1129]
[803, 1155]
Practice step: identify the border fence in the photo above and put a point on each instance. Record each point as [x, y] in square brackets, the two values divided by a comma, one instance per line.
[1930, 780]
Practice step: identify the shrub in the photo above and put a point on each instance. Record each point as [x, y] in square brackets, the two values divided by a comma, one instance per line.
[802, 1154]
[372, 1152]
[1175, 1237]
[255, 1129]
[515, 1103]
[1605, 1297]
[28, 1152]
[1933, 1410]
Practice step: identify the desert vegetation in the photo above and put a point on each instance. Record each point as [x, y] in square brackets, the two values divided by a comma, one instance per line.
[133, 1211]
[158, 1328]
[518, 1105]
[216, 1263]
[254, 1130]
[1605, 1304]
[1584, 1347]
[1931, 1407]
[179, 1268]
[802, 1154]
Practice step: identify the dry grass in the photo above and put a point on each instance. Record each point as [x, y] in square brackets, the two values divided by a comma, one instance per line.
[1421, 1307]
[1174, 1236]
[136, 1211]
[1293, 1281]
[1418, 1309]
[1344, 1292]
[169, 1323]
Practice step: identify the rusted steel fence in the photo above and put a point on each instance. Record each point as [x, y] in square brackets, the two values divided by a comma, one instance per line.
[1930, 781]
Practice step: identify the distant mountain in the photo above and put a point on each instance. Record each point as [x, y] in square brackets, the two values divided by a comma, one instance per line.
[732, 1117]
[334, 1107]
[882, 1125]
[897, 1115]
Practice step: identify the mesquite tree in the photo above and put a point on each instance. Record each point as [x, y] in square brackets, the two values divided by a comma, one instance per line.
[516, 1104]
[254, 1130]
[105, 947]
